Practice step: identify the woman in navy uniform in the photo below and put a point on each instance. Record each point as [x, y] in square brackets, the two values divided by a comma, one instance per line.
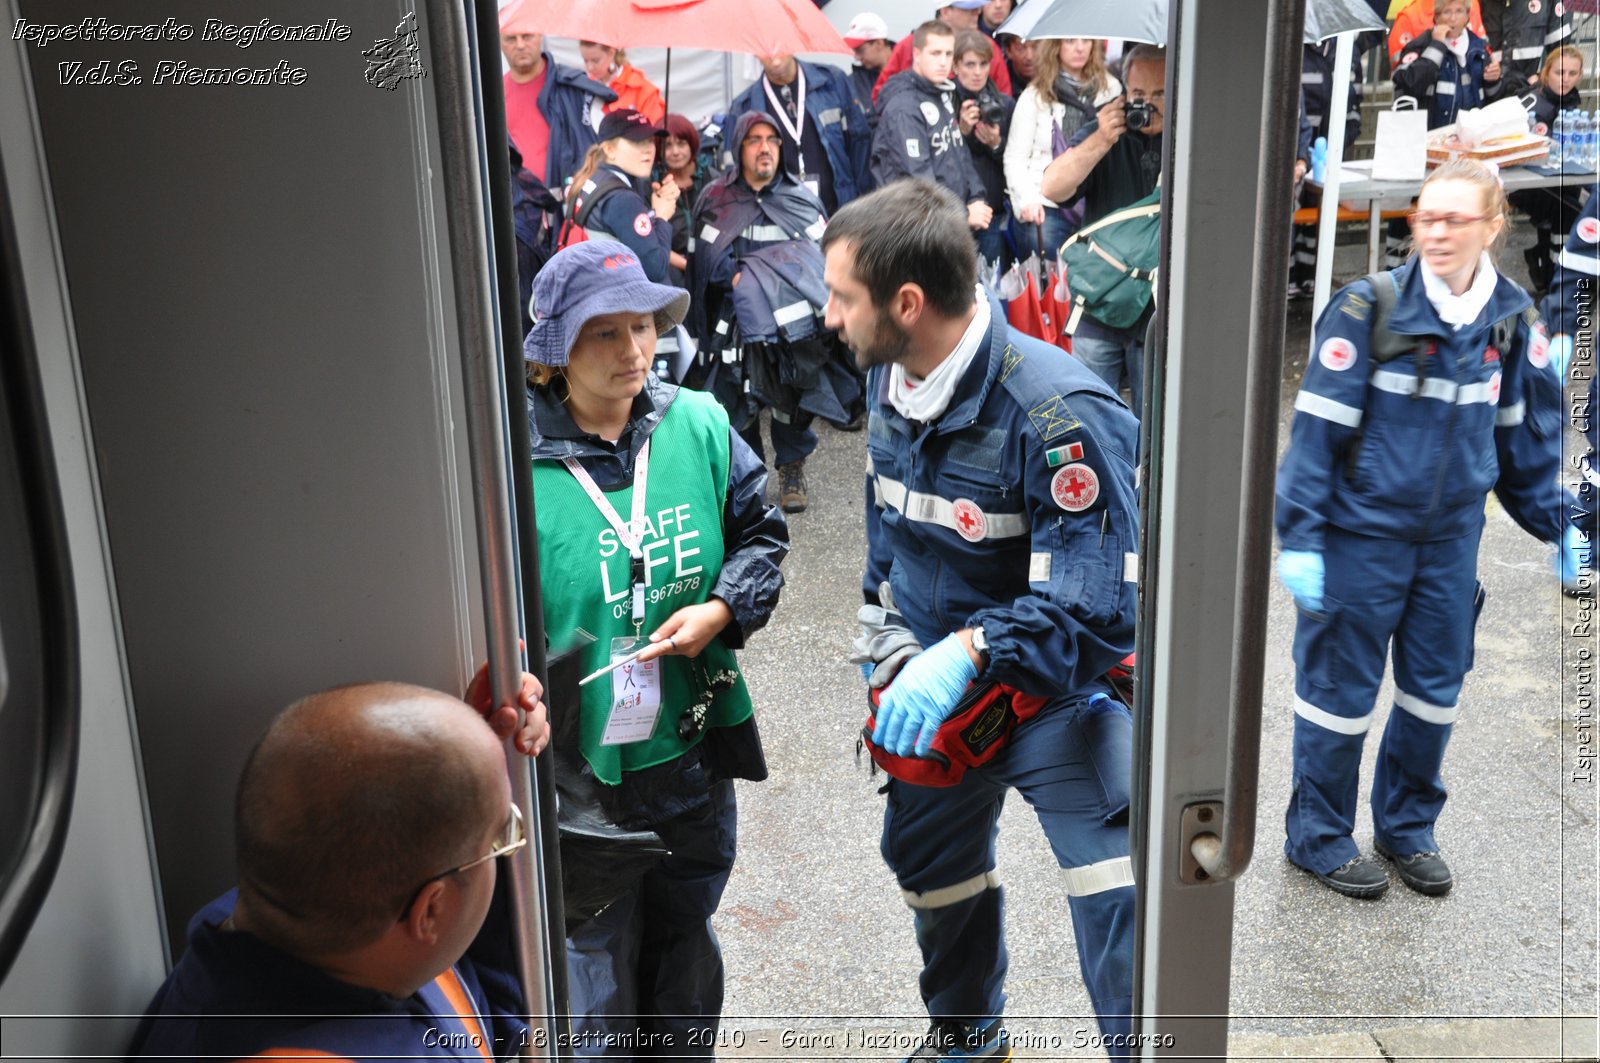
[1401, 429]
[613, 198]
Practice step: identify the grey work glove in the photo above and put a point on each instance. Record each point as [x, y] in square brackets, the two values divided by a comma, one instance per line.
[885, 643]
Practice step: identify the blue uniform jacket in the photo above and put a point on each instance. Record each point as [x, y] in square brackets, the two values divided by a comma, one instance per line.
[1430, 74]
[565, 101]
[919, 135]
[1016, 510]
[841, 123]
[1572, 292]
[1405, 452]
[233, 996]
[626, 216]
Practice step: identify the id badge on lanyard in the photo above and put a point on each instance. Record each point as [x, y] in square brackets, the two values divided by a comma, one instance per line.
[635, 686]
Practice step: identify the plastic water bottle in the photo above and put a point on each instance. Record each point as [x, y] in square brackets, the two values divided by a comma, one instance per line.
[1558, 140]
[1319, 159]
[1578, 142]
[1594, 142]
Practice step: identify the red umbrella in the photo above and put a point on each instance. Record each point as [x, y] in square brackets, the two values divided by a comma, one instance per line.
[759, 27]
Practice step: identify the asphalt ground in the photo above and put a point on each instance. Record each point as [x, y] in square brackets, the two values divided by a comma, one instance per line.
[820, 957]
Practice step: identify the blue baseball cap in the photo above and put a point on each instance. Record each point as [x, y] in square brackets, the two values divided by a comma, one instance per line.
[585, 281]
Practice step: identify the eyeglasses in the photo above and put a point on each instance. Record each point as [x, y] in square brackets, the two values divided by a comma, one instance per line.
[512, 839]
[1422, 219]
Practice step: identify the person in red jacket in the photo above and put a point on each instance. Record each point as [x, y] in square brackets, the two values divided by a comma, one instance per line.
[611, 68]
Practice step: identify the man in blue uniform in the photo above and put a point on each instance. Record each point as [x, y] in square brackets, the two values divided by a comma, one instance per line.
[1569, 312]
[1005, 525]
[366, 923]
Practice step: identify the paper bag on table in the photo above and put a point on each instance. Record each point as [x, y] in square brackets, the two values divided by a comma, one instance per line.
[1400, 152]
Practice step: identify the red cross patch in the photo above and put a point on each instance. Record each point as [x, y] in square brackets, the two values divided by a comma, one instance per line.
[1337, 353]
[1494, 389]
[1075, 488]
[1589, 230]
[970, 521]
[641, 225]
[1539, 349]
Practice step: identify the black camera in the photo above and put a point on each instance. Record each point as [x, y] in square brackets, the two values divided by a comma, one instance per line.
[1139, 114]
[991, 112]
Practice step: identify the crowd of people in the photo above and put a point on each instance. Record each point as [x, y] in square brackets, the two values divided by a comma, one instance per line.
[820, 249]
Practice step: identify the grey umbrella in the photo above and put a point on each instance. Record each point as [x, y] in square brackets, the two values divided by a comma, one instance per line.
[1146, 20]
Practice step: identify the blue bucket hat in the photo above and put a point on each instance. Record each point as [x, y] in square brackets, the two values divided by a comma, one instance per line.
[585, 281]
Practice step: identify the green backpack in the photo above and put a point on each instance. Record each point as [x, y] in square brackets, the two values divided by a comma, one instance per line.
[1111, 264]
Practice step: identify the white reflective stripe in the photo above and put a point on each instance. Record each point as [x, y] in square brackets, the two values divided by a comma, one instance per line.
[1110, 874]
[691, 245]
[1589, 264]
[1511, 415]
[945, 896]
[1561, 31]
[709, 233]
[1327, 409]
[1328, 721]
[816, 229]
[722, 327]
[767, 234]
[931, 509]
[1533, 52]
[1310, 78]
[730, 356]
[1434, 54]
[1422, 710]
[793, 312]
[1446, 88]
[1308, 257]
[1434, 388]
[1130, 568]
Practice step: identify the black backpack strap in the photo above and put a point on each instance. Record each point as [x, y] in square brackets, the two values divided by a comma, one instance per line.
[605, 182]
[1386, 343]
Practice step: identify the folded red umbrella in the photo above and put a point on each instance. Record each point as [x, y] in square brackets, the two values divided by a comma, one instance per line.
[759, 27]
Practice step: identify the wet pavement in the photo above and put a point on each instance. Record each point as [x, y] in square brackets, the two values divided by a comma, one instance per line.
[820, 957]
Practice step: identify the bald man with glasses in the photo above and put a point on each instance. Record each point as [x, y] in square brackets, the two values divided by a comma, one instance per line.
[367, 920]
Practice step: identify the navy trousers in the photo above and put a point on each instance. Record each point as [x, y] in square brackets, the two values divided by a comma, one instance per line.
[1422, 600]
[1072, 764]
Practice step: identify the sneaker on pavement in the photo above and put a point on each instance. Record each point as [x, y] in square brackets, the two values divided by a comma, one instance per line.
[1360, 877]
[1425, 872]
[792, 487]
[947, 1039]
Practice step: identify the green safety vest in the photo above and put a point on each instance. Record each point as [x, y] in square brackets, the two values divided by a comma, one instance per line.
[584, 577]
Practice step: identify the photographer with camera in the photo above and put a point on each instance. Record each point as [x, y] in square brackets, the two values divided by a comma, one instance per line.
[1113, 161]
[985, 118]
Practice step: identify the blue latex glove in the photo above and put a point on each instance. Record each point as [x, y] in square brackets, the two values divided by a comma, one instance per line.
[1302, 572]
[1560, 355]
[1572, 559]
[923, 696]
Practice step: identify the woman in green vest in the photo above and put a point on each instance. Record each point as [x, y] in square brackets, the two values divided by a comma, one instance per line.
[655, 540]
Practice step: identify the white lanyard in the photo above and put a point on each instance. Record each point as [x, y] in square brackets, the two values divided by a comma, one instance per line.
[797, 127]
[631, 533]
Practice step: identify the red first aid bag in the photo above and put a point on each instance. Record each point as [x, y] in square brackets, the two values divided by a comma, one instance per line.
[973, 735]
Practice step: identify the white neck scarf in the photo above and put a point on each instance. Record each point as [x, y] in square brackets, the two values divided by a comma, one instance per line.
[1457, 310]
[926, 400]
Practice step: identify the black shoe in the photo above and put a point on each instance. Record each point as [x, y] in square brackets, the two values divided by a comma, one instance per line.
[792, 487]
[1424, 872]
[1359, 877]
[952, 1041]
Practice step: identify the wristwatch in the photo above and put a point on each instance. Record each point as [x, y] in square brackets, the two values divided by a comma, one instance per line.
[980, 646]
